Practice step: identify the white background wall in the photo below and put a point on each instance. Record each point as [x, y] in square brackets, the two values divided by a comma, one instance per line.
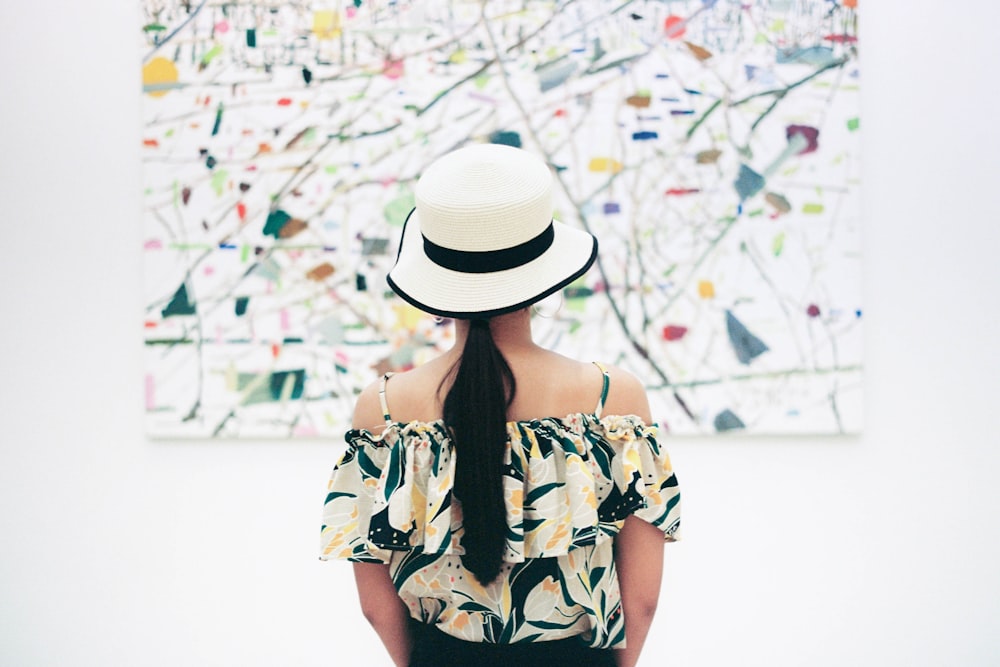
[878, 550]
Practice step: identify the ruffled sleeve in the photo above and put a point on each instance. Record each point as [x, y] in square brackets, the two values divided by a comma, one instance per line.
[390, 492]
[647, 484]
[347, 508]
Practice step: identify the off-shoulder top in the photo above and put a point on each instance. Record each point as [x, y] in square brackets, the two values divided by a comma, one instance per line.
[569, 483]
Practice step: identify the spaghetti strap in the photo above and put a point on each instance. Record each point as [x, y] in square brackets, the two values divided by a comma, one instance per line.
[604, 390]
[381, 398]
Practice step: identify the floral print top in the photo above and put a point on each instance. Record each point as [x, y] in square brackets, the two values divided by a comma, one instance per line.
[569, 484]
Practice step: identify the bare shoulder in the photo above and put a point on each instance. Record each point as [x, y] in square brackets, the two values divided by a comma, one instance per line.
[410, 395]
[583, 380]
[626, 395]
[368, 410]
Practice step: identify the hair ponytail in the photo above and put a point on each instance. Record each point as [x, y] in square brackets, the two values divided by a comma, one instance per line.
[475, 412]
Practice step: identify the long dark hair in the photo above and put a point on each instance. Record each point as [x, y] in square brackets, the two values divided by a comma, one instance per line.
[475, 413]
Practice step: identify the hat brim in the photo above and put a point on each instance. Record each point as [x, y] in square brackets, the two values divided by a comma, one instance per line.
[447, 293]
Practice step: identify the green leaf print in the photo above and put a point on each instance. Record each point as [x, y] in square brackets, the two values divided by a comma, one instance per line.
[595, 577]
[395, 475]
[475, 607]
[549, 625]
[338, 494]
[368, 467]
[540, 491]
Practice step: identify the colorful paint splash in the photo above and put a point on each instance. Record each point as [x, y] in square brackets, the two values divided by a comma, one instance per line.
[711, 146]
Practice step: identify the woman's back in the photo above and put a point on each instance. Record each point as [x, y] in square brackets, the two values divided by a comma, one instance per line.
[571, 477]
[491, 497]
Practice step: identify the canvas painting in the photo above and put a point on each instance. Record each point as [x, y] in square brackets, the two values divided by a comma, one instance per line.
[712, 146]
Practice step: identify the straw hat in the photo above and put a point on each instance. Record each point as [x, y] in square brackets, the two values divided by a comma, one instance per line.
[481, 240]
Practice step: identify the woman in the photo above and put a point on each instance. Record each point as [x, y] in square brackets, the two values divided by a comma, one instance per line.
[494, 516]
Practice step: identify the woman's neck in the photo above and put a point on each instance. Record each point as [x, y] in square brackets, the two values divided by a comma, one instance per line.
[511, 332]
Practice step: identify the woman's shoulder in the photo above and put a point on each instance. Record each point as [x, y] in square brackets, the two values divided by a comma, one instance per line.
[626, 394]
[367, 409]
[408, 395]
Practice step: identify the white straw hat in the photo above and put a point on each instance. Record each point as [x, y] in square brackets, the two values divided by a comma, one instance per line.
[481, 240]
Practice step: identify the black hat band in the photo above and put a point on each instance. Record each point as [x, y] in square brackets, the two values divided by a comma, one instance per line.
[488, 261]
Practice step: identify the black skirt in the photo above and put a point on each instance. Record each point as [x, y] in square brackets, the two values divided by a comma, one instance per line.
[433, 648]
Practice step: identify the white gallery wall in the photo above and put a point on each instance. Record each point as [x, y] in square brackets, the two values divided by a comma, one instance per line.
[877, 550]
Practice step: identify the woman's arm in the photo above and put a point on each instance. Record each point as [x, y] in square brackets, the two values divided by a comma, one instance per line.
[639, 545]
[639, 561]
[384, 610]
[380, 604]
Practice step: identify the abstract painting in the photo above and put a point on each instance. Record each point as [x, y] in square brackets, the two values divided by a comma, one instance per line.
[712, 146]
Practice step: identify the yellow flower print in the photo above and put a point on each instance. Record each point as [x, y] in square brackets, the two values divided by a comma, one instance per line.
[559, 537]
[632, 460]
[515, 502]
[336, 541]
[536, 451]
[419, 503]
[505, 599]
[445, 484]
